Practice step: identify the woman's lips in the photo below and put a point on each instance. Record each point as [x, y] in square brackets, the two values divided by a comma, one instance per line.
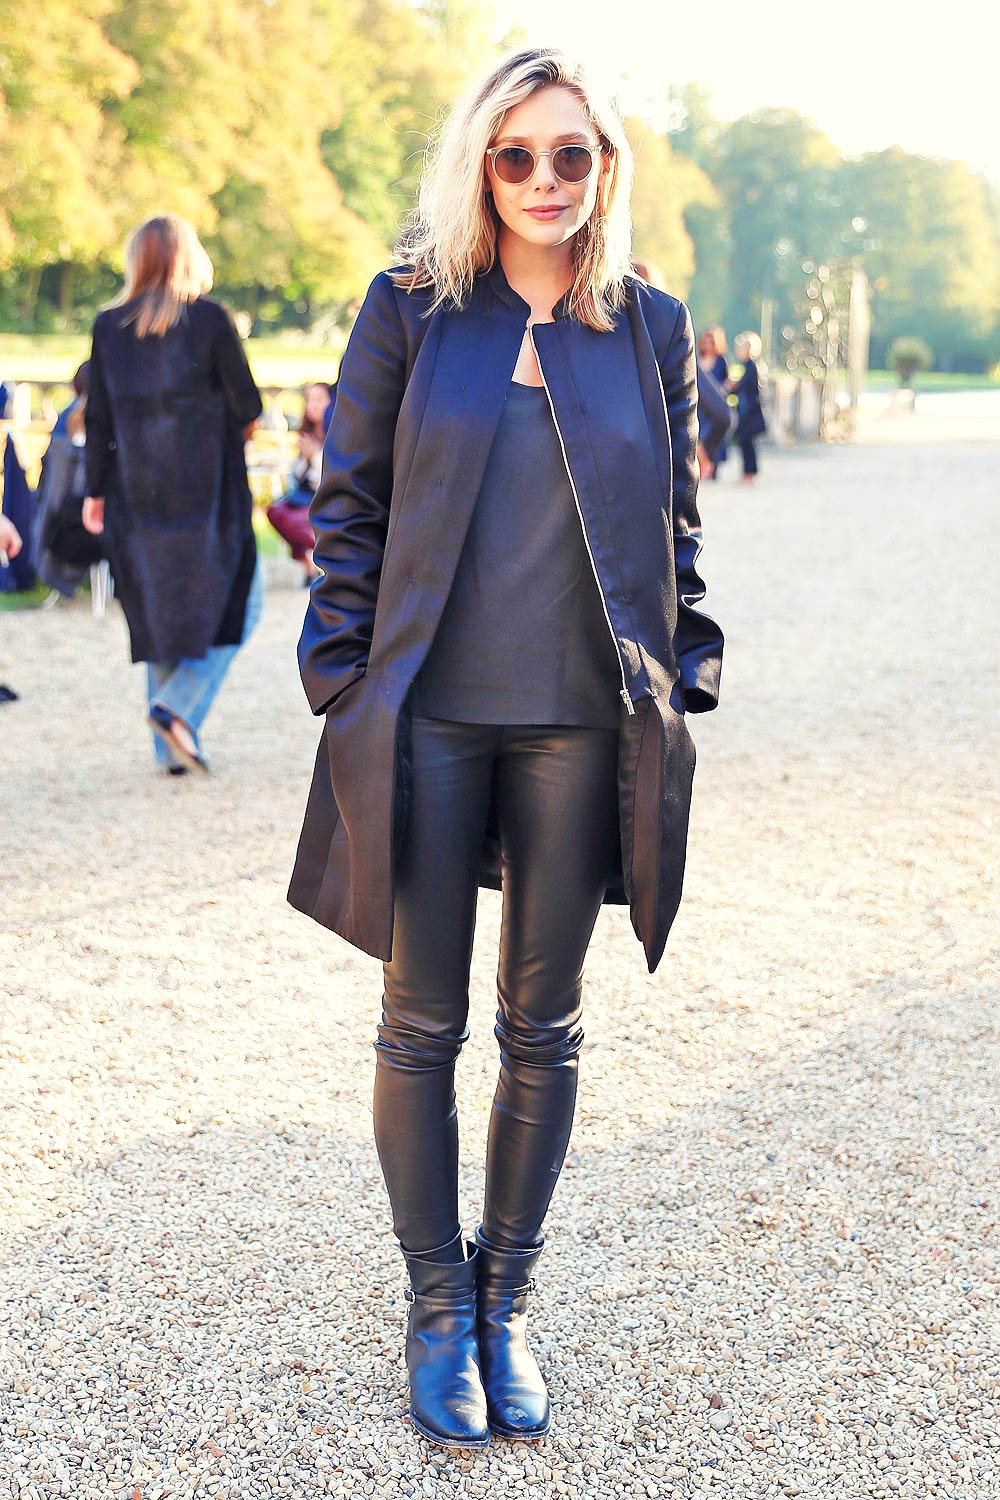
[547, 213]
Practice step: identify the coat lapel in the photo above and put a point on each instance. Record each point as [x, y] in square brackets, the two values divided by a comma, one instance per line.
[474, 362]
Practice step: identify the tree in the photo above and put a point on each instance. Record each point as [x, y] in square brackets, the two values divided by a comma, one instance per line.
[778, 174]
[666, 187]
[60, 148]
[394, 68]
[928, 233]
[907, 355]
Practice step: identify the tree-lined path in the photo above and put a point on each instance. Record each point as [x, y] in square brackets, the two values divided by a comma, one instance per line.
[772, 1261]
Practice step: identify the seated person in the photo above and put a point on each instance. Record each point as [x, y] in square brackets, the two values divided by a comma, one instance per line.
[290, 515]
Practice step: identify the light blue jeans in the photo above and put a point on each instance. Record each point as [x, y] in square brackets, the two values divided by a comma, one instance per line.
[187, 688]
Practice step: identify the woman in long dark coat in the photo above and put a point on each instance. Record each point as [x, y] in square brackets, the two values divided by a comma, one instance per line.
[503, 645]
[171, 403]
[750, 424]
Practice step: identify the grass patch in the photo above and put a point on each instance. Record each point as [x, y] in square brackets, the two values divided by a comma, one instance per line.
[274, 362]
[927, 380]
[283, 363]
[24, 598]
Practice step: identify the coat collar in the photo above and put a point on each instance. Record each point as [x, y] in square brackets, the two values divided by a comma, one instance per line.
[496, 279]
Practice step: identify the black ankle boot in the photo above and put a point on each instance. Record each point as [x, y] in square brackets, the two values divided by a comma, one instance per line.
[516, 1398]
[447, 1400]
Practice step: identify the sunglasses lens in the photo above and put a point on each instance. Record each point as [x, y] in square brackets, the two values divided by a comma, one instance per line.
[513, 164]
[572, 163]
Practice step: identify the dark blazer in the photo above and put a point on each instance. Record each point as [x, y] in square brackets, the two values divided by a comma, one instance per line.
[164, 421]
[418, 403]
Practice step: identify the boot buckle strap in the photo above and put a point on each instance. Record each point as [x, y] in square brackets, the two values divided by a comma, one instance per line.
[438, 1299]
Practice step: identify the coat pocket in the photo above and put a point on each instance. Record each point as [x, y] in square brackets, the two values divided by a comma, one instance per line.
[664, 772]
[347, 733]
[631, 731]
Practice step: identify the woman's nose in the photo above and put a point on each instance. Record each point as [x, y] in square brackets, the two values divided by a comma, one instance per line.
[543, 166]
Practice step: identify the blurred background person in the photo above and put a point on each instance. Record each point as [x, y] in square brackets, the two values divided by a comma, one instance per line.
[10, 546]
[81, 382]
[750, 422]
[716, 424]
[66, 549]
[290, 515]
[712, 354]
[171, 404]
[17, 504]
[712, 348]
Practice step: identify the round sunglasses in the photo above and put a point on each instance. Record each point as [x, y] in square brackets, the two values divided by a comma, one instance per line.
[569, 163]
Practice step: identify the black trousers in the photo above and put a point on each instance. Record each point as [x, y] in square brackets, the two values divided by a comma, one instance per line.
[556, 794]
[748, 447]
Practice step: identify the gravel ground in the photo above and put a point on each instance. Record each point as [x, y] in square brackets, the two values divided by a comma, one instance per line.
[772, 1261]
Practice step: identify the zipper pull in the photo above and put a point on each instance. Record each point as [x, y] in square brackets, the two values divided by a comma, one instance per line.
[628, 700]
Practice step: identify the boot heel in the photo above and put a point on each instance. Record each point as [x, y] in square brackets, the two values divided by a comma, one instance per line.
[447, 1399]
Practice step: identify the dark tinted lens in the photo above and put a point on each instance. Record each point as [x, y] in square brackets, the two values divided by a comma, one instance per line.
[513, 164]
[572, 163]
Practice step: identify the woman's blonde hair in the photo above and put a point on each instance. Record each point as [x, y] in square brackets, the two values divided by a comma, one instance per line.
[453, 233]
[718, 338]
[166, 267]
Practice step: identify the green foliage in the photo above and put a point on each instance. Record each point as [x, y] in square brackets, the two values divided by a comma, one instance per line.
[667, 186]
[289, 132]
[907, 355]
[777, 174]
[60, 147]
[931, 247]
[292, 133]
[925, 231]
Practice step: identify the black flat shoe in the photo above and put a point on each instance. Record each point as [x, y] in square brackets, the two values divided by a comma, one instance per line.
[162, 723]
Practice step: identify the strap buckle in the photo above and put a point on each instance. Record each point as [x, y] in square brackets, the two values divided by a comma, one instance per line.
[408, 1294]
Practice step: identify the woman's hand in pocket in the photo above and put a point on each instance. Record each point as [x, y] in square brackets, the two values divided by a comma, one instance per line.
[93, 515]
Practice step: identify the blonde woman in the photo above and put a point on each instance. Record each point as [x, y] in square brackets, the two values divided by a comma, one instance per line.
[750, 413]
[503, 646]
[171, 404]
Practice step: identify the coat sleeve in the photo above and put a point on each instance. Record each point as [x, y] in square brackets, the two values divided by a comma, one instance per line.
[350, 509]
[97, 422]
[697, 639]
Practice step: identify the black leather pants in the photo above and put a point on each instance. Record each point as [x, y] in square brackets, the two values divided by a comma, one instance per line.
[557, 806]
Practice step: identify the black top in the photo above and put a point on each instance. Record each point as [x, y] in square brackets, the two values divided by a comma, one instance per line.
[523, 638]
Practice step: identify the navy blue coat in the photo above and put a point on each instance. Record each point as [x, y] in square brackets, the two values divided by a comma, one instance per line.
[164, 420]
[418, 403]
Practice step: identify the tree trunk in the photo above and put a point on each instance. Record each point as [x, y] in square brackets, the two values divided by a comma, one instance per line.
[66, 290]
[29, 303]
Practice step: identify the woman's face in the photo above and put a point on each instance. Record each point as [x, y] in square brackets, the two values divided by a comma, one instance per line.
[316, 402]
[706, 346]
[552, 116]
